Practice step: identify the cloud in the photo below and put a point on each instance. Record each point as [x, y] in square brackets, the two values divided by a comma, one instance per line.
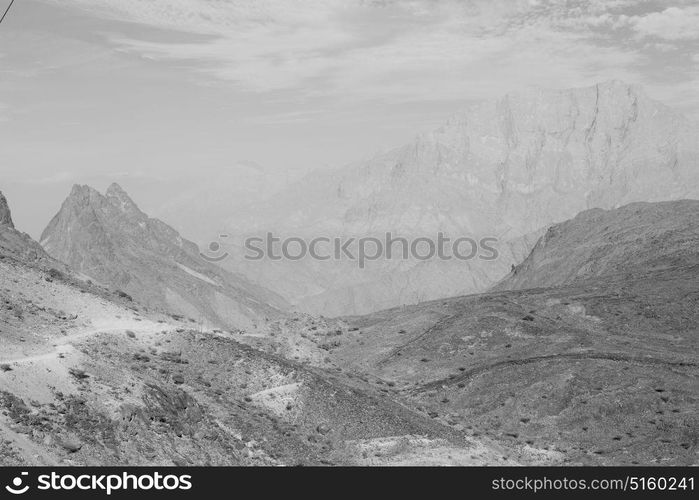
[673, 23]
[403, 50]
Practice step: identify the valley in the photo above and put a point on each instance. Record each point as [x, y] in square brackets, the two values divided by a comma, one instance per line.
[122, 344]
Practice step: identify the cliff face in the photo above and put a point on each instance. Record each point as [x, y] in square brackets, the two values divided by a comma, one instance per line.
[108, 238]
[5, 214]
[19, 246]
[507, 168]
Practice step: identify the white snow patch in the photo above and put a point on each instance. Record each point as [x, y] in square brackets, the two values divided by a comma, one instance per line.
[200, 276]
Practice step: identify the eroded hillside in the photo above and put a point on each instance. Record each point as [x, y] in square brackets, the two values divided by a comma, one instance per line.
[603, 370]
[89, 377]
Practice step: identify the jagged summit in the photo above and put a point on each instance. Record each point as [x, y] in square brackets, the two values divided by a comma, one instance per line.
[120, 198]
[82, 195]
[5, 214]
[106, 236]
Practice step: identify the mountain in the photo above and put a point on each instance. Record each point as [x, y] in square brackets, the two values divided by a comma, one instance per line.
[109, 239]
[507, 169]
[89, 377]
[632, 240]
[596, 362]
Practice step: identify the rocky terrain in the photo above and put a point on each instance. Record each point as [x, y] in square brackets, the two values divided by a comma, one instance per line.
[88, 376]
[17, 245]
[596, 366]
[506, 169]
[600, 369]
[108, 238]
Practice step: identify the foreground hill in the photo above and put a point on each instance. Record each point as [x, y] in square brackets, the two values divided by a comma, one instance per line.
[87, 380]
[603, 369]
[89, 377]
[109, 239]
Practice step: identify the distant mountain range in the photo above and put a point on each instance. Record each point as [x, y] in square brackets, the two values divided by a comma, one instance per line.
[508, 169]
[197, 203]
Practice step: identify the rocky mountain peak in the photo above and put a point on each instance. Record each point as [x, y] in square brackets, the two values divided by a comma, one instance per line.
[5, 215]
[119, 198]
[83, 196]
[107, 237]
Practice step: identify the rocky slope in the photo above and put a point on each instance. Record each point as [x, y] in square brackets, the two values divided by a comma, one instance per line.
[88, 377]
[19, 246]
[507, 169]
[632, 240]
[109, 239]
[600, 369]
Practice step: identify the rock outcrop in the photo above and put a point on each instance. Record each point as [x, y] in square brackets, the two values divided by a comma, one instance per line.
[20, 246]
[5, 214]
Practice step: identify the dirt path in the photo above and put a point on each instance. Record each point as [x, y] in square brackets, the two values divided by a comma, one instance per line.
[439, 325]
[618, 357]
[63, 345]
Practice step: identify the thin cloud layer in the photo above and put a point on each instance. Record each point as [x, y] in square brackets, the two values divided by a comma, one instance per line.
[415, 50]
[673, 23]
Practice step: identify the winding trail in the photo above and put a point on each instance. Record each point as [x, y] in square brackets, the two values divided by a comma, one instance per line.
[618, 357]
[439, 325]
[62, 345]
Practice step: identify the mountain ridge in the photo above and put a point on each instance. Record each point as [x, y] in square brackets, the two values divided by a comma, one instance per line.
[601, 242]
[507, 168]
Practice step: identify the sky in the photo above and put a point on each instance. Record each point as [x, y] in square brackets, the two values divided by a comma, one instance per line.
[160, 95]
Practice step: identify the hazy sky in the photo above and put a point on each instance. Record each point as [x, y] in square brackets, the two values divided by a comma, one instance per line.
[150, 92]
